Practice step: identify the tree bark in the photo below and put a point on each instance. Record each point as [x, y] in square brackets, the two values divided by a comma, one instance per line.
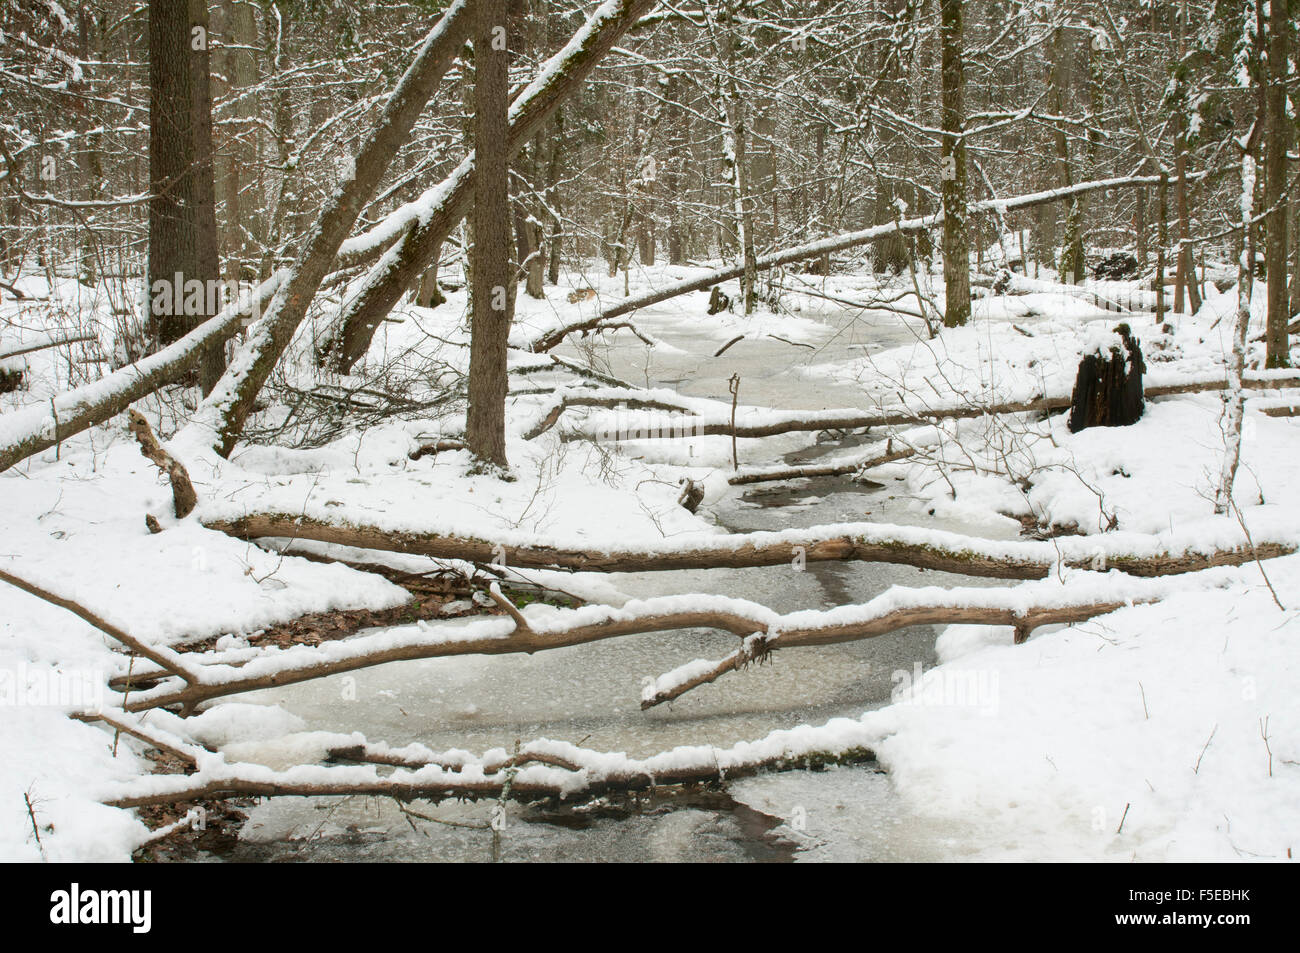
[493, 290]
[956, 243]
[860, 542]
[1277, 345]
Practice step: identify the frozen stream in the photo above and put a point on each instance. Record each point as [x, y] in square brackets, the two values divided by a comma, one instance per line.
[589, 694]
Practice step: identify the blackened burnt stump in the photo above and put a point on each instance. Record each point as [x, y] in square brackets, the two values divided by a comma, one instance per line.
[1108, 388]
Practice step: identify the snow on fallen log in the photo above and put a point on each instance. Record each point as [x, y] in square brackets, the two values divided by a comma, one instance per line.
[546, 768]
[1070, 596]
[836, 243]
[760, 422]
[542, 768]
[1200, 546]
[33, 429]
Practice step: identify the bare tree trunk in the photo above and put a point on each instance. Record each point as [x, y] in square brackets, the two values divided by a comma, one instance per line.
[1235, 398]
[207, 263]
[1278, 351]
[956, 243]
[494, 287]
[172, 165]
[1162, 236]
[1071, 266]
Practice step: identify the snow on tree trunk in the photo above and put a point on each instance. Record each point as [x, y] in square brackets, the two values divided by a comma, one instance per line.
[1235, 398]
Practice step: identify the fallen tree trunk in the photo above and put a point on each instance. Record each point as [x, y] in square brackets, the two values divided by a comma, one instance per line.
[33, 429]
[781, 422]
[428, 222]
[1139, 555]
[827, 246]
[546, 628]
[876, 457]
[540, 770]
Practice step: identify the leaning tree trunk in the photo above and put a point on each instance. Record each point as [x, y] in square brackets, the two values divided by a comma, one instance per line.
[560, 76]
[232, 400]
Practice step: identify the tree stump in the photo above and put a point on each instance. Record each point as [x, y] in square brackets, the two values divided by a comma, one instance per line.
[718, 301]
[1108, 387]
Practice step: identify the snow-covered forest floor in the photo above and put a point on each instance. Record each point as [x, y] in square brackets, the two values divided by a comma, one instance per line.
[1166, 730]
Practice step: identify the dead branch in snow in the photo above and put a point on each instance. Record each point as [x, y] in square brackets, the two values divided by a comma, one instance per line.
[609, 398]
[159, 655]
[438, 446]
[596, 325]
[29, 348]
[135, 727]
[756, 648]
[862, 542]
[874, 458]
[184, 499]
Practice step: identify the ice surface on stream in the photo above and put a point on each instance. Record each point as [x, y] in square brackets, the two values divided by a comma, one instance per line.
[589, 694]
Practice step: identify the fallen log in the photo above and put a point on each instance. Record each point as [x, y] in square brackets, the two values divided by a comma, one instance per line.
[1136, 554]
[553, 339]
[543, 769]
[758, 647]
[545, 628]
[782, 422]
[33, 429]
[878, 456]
[866, 236]
[614, 398]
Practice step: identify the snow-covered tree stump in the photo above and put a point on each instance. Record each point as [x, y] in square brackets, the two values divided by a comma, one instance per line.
[1108, 387]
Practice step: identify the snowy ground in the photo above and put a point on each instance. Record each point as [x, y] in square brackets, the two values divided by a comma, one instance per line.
[1159, 732]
